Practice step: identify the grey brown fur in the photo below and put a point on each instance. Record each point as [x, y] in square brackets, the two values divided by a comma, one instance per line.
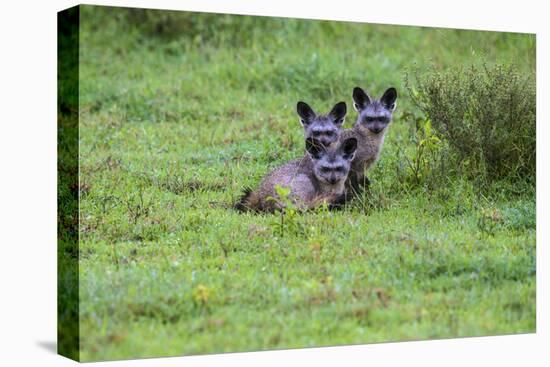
[369, 130]
[318, 177]
[324, 128]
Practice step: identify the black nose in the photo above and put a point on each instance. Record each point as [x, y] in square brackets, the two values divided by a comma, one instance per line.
[376, 130]
[326, 142]
[333, 180]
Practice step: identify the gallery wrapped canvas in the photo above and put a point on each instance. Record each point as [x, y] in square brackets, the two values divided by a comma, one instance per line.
[232, 183]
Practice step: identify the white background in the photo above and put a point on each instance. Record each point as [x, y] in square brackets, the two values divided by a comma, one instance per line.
[28, 182]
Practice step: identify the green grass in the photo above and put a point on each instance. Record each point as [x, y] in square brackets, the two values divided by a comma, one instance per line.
[173, 126]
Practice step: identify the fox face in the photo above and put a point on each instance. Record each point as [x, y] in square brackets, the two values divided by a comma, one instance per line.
[323, 128]
[331, 164]
[374, 115]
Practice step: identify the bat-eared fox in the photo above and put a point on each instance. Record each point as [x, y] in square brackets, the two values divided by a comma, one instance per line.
[315, 179]
[333, 167]
[374, 116]
[324, 128]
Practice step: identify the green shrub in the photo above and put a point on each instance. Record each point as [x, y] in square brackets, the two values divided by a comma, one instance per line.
[486, 115]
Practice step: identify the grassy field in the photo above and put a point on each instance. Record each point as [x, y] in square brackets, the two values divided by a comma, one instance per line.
[178, 114]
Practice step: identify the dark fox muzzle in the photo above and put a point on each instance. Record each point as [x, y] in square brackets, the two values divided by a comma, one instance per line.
[326, 141]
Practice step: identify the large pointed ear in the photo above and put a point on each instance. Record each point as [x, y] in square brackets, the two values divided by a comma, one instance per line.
[389, 98]
[360, 99]
[338, 113]
[349, 146]
[305, 112]
[314, 148]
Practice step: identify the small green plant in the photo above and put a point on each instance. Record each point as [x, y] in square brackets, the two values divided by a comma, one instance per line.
[426, 152]
[486, 115]
[288, 213]
[202, 298]
[489, 220]
[201, 295]
[138, 207]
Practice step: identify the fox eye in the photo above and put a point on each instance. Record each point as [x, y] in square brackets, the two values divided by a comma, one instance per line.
[369, 119]
[325, 169]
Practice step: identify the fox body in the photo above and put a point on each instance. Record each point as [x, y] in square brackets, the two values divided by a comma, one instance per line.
[318, 177]
[324, 128]
[374, 116]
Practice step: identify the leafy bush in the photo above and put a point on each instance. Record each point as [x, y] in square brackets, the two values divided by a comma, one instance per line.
[486, 115]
